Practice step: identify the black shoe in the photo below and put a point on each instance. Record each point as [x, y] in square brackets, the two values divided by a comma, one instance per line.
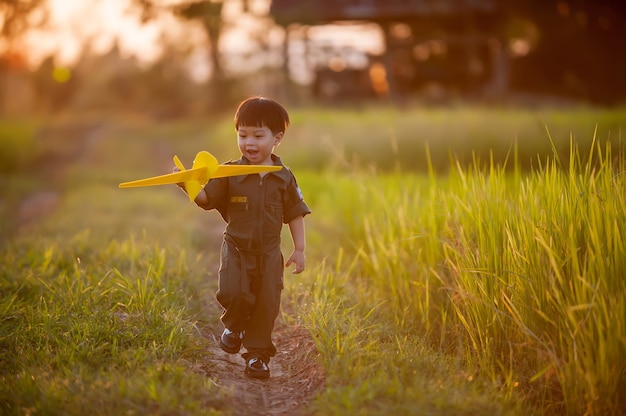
[257, 368]
[230, 341]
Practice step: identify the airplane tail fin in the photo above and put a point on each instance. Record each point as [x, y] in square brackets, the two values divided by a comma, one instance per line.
[204, 160]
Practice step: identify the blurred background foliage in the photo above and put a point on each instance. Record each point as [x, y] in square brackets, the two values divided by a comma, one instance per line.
[563, 49]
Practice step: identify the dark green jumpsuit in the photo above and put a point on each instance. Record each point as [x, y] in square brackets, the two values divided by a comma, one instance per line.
[251, 265]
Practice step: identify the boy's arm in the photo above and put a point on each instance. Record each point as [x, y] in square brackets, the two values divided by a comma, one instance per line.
[201, 199]
[296, 228]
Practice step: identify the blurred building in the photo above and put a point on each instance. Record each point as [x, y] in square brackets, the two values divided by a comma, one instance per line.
[450, 44]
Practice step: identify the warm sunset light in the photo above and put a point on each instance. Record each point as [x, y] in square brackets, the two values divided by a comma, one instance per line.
[68, 35]
[454, 243]
[108, 22]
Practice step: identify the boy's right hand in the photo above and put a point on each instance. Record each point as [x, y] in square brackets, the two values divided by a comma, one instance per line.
[297, 258]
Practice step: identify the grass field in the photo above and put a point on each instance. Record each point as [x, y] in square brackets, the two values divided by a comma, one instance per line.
[460, 262]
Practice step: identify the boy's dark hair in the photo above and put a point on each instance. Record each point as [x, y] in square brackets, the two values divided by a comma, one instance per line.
[262, 112]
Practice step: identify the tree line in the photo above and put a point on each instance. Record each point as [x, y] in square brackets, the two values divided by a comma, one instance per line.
[575, 52]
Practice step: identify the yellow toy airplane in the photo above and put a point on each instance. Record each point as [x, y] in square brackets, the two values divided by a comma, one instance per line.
[205, 167]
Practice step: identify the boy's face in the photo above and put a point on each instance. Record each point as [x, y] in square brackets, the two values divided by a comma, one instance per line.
[257, 143]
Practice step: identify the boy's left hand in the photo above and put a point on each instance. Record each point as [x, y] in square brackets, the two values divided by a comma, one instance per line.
[297, 258]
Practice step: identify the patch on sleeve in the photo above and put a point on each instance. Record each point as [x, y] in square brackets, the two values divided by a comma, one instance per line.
[299, 192]
[239, 199]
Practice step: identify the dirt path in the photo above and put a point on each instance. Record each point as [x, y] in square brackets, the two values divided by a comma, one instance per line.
[296, 374]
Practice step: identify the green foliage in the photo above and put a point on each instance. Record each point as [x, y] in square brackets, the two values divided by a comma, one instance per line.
[376, 366]
[17, 145]
[113, 335]
[519, 278]
[384, 139]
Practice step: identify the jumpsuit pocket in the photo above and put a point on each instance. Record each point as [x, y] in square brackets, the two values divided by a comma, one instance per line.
[280, 281]
[224, 258]
[225, 287]
[274, 215]
[231, 284]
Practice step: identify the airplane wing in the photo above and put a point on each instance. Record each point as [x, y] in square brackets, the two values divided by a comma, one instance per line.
[205, 167]
[196, 174]
[235, 170]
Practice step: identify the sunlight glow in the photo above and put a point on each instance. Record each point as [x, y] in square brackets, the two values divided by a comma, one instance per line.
[98, 25]
[78, 28]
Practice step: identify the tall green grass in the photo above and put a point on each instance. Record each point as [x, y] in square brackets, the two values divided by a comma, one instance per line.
[387, 139]
[519, 277]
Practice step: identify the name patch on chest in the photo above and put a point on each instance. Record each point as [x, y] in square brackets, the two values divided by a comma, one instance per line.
[239, 199]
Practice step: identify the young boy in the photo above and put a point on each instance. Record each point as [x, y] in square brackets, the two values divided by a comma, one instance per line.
[255, 207]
